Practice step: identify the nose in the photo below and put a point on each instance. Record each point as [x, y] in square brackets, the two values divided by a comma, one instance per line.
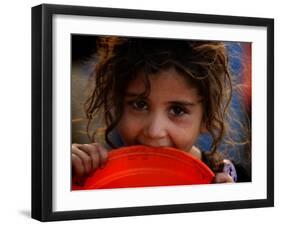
[156, 126]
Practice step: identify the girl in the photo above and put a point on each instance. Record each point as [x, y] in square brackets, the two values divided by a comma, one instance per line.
[159, 93]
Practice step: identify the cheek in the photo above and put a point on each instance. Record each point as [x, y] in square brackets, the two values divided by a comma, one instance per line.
[128, 128]
[184, 137]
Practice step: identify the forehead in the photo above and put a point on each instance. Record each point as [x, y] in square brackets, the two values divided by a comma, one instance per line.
[165, 82]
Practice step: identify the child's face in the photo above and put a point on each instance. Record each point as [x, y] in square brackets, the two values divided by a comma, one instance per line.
[170, 116]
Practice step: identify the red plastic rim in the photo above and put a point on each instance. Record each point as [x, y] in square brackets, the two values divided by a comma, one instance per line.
[142, 166]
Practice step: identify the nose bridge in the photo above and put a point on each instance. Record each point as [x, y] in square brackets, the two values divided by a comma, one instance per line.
[156, 126]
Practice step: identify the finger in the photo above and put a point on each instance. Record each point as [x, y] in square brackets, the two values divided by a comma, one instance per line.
[229, 179]
[223, 178]
[86, 159]
[76, 145]
[93, 152]
[77, 165]
[103, 154]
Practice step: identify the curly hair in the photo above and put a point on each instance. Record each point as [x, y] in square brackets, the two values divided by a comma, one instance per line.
[204, 64]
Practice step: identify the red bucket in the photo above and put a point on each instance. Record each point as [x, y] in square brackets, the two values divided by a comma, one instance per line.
[142, 166]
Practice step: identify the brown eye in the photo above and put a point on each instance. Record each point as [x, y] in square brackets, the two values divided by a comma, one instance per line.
[139, 105]
[177, 111]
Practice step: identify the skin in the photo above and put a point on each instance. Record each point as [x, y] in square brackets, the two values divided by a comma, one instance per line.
[86, 158]
[170, 116]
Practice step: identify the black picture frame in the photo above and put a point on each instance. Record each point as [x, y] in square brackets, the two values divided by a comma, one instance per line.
[42, 108]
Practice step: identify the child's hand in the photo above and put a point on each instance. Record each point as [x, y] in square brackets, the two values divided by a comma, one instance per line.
[86, 158]
[223, 178]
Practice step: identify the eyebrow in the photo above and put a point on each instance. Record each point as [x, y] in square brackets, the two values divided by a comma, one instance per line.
[174, 102]
[129, 94]
[183, 103]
